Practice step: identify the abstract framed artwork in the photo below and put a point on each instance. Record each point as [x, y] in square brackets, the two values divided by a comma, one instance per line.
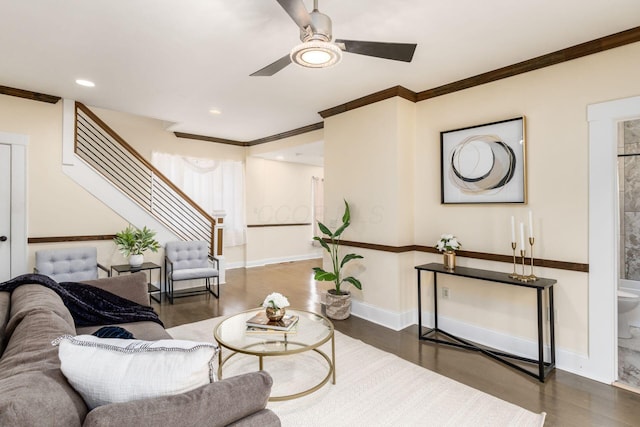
[484, 164]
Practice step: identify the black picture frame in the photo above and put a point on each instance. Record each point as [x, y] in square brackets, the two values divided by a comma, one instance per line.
[484, 163]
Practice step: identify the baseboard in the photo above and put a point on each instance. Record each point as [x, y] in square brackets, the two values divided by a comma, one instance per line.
[387, 318]
[565, 360]
[267, 261]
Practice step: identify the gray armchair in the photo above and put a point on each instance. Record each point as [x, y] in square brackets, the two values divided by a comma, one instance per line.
[189, 261]
[69, 265]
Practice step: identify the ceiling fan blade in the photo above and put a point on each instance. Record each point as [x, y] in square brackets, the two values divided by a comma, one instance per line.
[274, 67]
[297, 12]
[394, 51]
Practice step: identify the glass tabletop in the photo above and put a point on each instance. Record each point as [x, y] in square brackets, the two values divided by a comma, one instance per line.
[311, 331]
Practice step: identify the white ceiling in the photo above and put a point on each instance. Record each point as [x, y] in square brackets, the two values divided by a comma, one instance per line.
[176, 60]
[311, 153]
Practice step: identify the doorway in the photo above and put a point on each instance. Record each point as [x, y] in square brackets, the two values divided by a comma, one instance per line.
[13, 205]
[604, 119]
[629, 254]
[5, 211]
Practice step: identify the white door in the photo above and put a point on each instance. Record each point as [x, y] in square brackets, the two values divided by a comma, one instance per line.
[5, 212]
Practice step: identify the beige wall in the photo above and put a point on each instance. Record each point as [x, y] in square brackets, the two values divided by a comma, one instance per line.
[367, 162]
[146, 135]
[276, 192]
[56, 205]
[368, 153]
[384, 159]
[279, 193]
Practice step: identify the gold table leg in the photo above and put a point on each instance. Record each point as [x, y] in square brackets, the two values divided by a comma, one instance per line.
[333, 356]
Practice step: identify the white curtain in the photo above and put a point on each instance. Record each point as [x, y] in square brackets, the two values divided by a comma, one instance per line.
[212, 184]
[317, 193]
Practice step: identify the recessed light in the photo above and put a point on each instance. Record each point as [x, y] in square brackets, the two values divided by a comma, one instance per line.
[279, 157]
[215, 112]
[85, 83]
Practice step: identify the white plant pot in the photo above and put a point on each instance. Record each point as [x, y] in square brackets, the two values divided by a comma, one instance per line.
[136, 260]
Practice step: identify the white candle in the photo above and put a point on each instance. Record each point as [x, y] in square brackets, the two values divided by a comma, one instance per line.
[513, 229]
[522, 235]
[530, 224]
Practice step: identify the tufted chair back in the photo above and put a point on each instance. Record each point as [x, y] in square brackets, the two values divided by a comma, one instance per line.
[189, 261]
[68, 265]
[187, 255]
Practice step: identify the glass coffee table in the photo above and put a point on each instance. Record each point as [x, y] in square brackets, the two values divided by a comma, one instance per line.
[311, 331]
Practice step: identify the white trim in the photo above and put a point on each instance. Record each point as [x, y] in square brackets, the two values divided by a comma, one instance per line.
[266, 261]
[387, 318]
[68, 132]
[19, 234]
[601, 364]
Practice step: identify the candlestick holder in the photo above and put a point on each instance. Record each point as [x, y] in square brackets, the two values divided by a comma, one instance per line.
[532, 277]
[514, 275]
[523, 277]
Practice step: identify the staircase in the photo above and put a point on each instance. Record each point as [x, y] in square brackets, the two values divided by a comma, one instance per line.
[99, 160]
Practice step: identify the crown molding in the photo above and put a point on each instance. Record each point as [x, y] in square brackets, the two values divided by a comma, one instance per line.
[392, 92]
[574, 52]
[276, 137]
[27, 94]
[209, 139]
[294, 132]
[578, 51]
[602, 44]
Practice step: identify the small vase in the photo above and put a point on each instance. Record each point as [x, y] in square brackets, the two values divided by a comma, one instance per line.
[449, 260]
[136, 260]
[275, 314]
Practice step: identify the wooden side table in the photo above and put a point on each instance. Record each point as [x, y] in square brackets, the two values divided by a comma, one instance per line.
[147, 266]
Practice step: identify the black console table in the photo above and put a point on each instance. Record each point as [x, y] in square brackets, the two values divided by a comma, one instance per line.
[540, 285]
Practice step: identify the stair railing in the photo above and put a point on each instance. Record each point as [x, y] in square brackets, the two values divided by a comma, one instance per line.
[103, 149]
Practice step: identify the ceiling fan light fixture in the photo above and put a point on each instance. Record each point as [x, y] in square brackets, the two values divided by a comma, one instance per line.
[316, 54]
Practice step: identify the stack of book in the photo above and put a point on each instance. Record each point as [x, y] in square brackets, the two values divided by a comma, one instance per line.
[260, 324]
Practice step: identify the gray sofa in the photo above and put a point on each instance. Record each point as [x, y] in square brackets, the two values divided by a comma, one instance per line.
[34, 392]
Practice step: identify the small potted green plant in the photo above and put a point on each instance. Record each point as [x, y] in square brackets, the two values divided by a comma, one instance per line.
[338, 301]
[133, 242]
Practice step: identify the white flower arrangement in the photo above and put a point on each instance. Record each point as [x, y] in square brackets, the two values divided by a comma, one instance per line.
[276, 300]
[448, 242]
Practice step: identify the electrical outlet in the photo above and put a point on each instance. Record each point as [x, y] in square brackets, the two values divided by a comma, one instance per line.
[445, 293]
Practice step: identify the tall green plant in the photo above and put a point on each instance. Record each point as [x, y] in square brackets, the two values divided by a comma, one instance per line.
[333, 246]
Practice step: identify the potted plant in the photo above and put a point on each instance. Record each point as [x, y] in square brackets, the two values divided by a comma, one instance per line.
[338, 301]
[275, 306]
[133, 242]
[448, 245]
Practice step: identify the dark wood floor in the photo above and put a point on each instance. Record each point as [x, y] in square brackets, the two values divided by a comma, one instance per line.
[568, 400]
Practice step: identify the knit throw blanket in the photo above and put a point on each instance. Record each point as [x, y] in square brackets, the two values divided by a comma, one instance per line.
[89, 306]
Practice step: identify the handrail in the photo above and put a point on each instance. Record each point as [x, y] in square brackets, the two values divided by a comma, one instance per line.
[103, 149]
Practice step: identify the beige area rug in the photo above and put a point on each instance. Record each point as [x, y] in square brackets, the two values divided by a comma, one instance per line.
[373, 388]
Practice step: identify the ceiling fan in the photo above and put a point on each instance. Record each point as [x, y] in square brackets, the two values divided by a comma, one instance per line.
[317, 50]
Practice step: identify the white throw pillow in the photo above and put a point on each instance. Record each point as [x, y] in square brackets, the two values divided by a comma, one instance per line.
[110, 370]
